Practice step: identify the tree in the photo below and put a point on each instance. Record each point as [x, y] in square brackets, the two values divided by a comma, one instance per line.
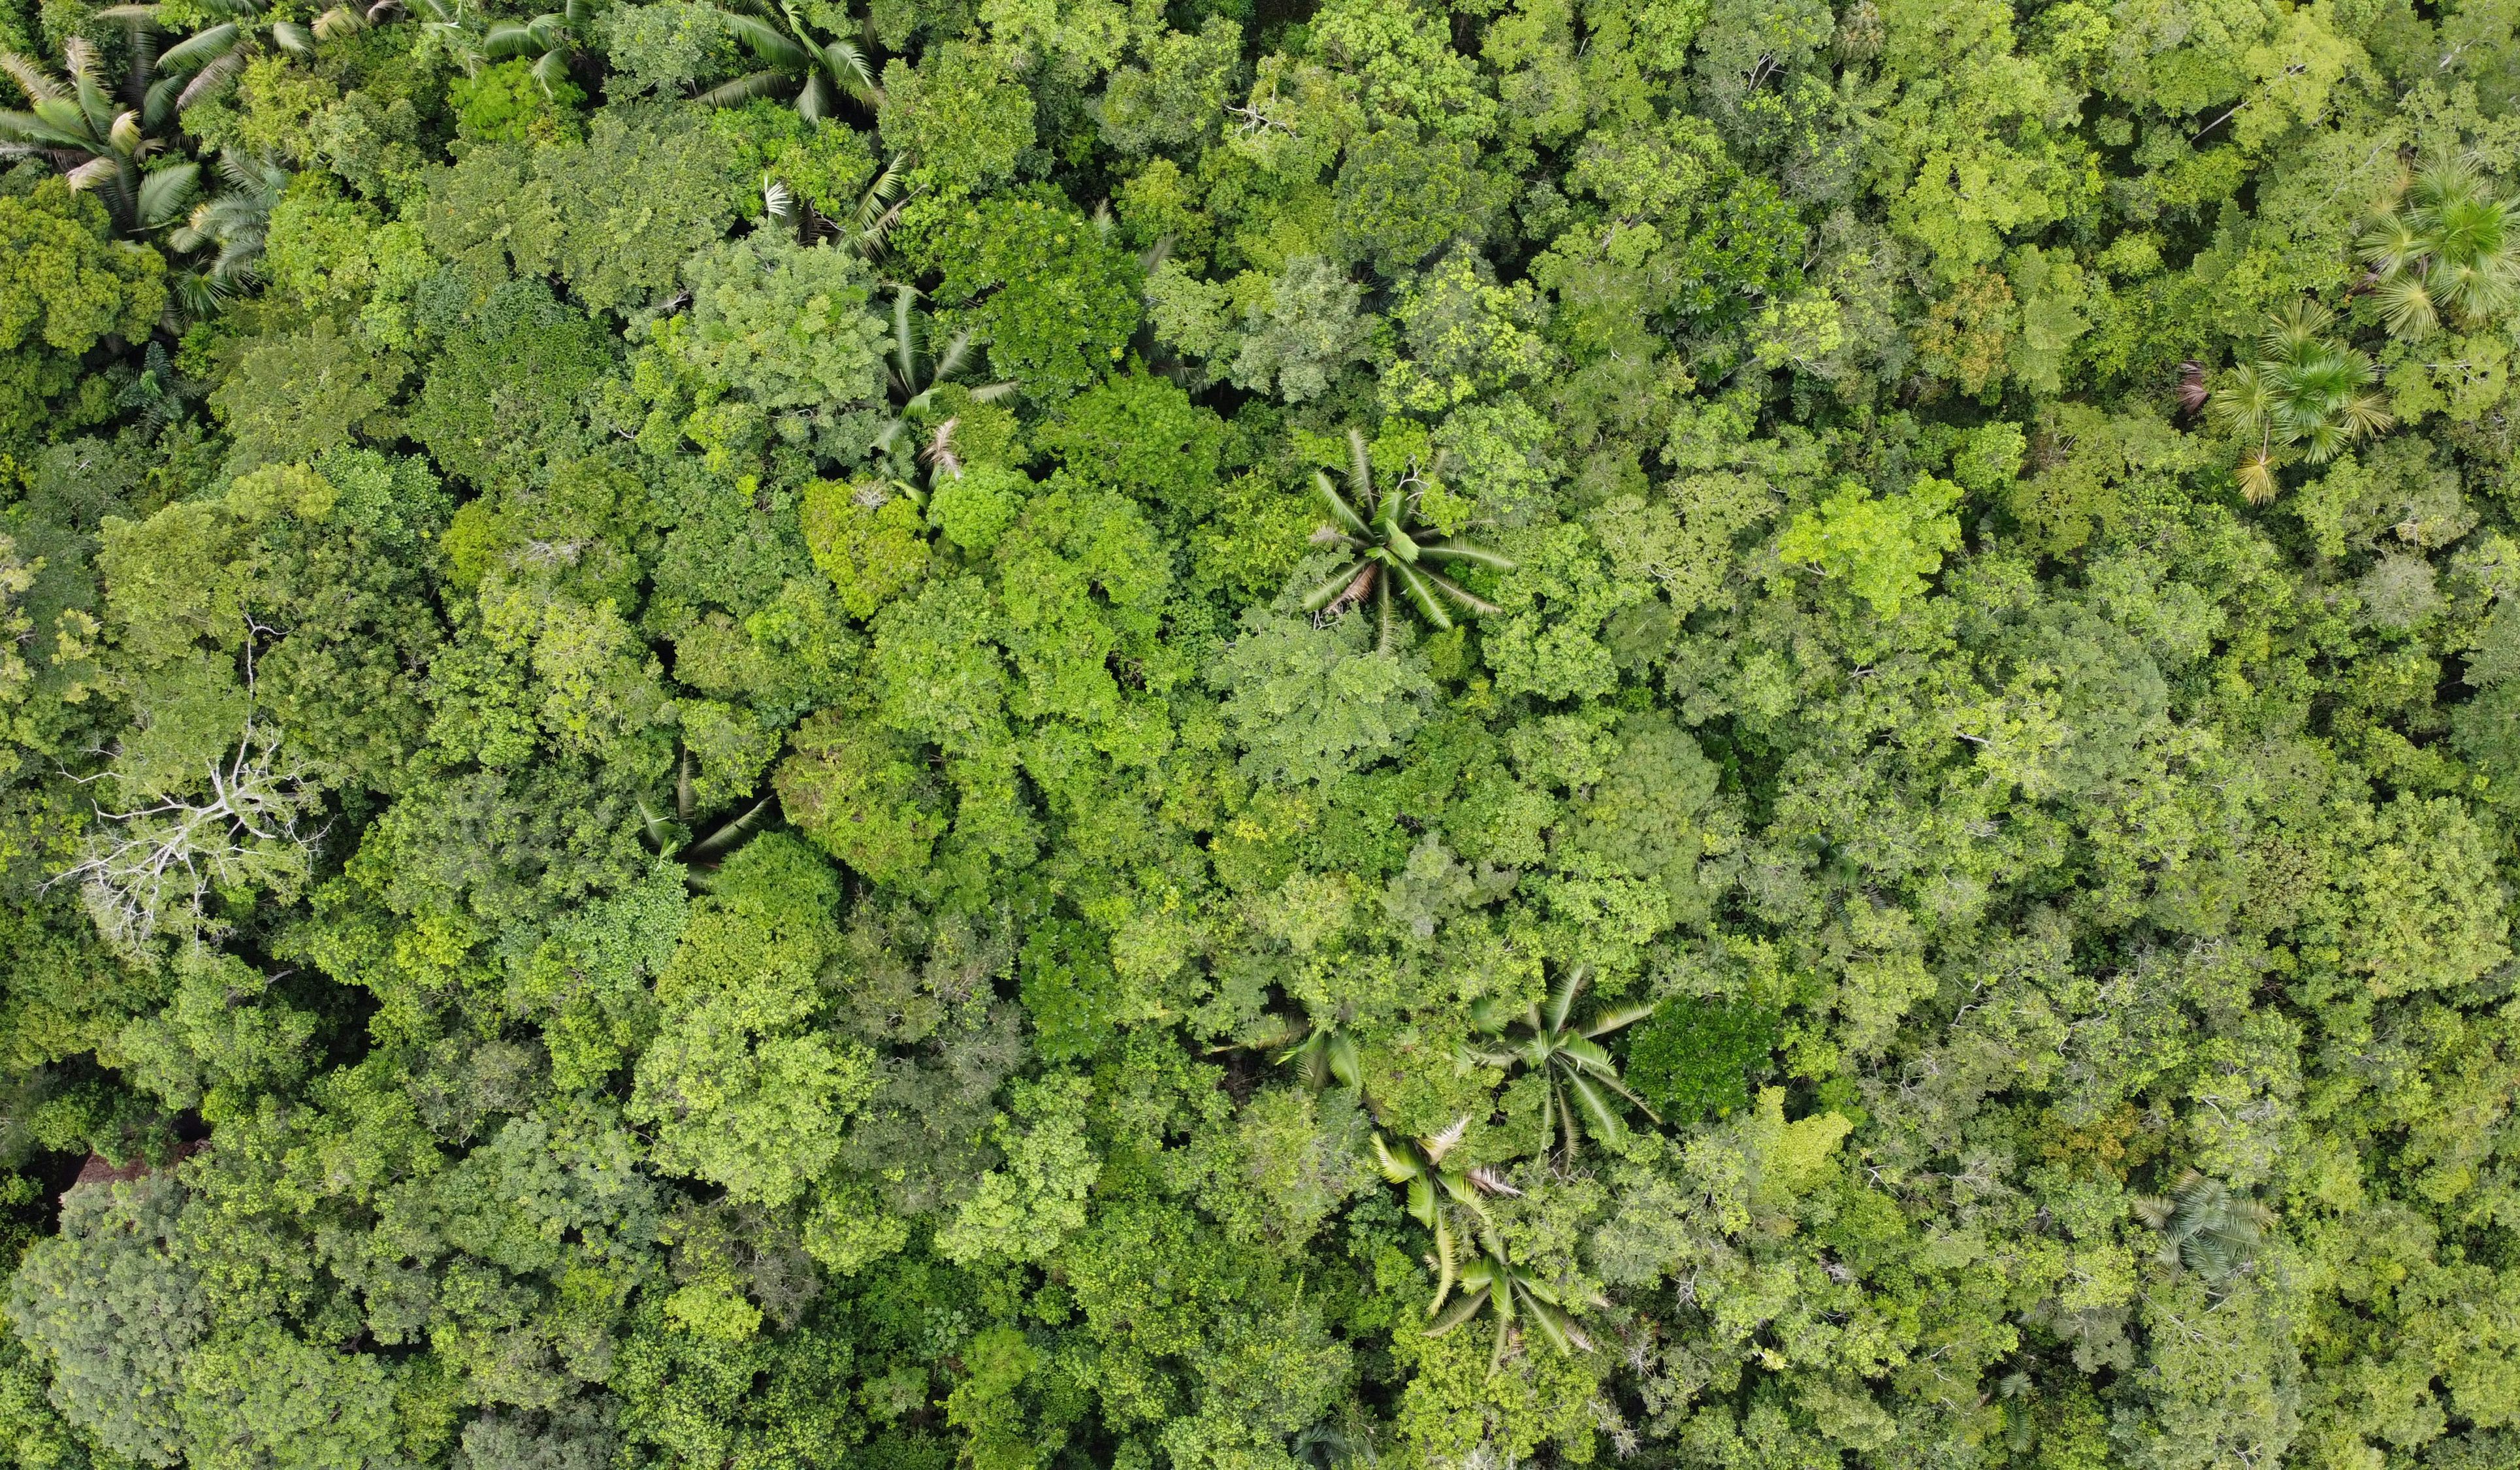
[71, 288]
[679, 835]
[1447, 1195]
[1568, 1056]
[1696, 1058]
[1881, 548]
[740, 1090]
[2444, 243]
[860, 797]
[165, 866]
[775, 342]
[816, 72]
[1308, 329]
[1310, 704]
[2304, 390]
[101, 141]
[957, 117]
[1054, 301]
[116, 1314]
[1380, 529]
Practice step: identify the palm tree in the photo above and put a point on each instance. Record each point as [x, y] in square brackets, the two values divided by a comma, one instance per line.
[233, 222]
[549, 38]
[347, 19]
[1444, 1195]
[915, 368]
[1492, 1283]
[819, 72]
[2448, 245]
[1567, 1054]
[2205, 1225]
[674, 836]
[1325, 1052]
[2305, 390]
[103, 140]
[1448, 1200]
[211, 56]
[154, 389]
[1388, 546]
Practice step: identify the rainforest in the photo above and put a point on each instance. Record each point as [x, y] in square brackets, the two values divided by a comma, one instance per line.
[1259, 734]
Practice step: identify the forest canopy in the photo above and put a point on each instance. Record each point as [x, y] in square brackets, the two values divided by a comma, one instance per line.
[1259, 734]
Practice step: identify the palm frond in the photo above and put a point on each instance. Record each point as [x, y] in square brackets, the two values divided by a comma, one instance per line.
[744, 89]
[770, 43]
[164, 193]
[730, 834]
[1348, 518]
[849, 66]
[32, 79]
[208, 80]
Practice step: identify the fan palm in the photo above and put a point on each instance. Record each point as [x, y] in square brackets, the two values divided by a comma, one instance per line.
[813, 73]
[1381, 530]
[103, 139]
[2450, 246]
[2205, 1225]
[2305, 390]
[1577, 1069]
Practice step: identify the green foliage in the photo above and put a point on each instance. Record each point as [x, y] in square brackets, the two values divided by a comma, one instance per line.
[2448, 246]
[68, 288]
[507, 389]
[1389, 557]
[958, 114]
[115, 1316]
[859, 796]
[740, 1090]
[1053, 299]
[684, 779]
[1881, 548]
[1401, 199]
[868, 539]
[776, 341]
[1577, 1073]
[509, 104]
[1695, 1059]
[976, 507]
[1311, 704]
